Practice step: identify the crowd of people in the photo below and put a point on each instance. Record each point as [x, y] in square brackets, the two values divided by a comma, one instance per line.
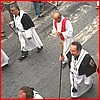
[78, 59]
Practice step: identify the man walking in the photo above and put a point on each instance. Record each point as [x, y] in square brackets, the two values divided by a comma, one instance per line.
[28, 37]
[64, 30]
[82, 67]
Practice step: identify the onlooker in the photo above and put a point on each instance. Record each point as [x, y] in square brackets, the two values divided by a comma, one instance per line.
[28, 37]
[4, 60]
[62, 27]
[37, 8]
[27, 92]
[82, 67]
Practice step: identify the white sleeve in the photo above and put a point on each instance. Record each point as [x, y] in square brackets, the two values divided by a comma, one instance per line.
[54, 29]
[37, 96]
[69, 30]
[11, 24]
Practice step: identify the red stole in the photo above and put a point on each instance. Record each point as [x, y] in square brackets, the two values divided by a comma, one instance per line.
[63, 28]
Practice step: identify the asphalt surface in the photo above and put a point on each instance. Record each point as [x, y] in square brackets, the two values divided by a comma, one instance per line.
[41, 70]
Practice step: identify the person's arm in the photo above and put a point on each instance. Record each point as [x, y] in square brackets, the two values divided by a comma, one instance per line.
[69, 30]
[54, 29]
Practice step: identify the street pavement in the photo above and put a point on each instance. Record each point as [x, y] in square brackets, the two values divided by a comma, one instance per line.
[41, 70]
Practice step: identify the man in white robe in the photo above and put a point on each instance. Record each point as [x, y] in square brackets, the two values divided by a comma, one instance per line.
[28, 37]
[27, 92]
[4, 60]
[62, 27]
[82, 67]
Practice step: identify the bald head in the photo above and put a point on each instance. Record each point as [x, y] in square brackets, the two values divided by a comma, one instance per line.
[57, 16]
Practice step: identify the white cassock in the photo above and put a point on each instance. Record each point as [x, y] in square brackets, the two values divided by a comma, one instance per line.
[68, 35]
[81, 82]
[4, 58]
[36, 95]
[24, 34]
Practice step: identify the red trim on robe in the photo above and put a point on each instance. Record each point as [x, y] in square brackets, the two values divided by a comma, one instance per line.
[63, 28]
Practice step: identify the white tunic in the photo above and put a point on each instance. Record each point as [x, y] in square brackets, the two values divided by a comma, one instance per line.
[68, 34]
[4, 58]
[27, 45]
[81, 82]
[36, 95]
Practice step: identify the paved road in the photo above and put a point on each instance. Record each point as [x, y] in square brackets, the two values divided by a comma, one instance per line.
[41, 70]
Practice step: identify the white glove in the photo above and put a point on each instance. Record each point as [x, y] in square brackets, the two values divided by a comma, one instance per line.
[11, 24]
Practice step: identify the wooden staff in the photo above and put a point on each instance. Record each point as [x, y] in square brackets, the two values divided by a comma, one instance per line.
[10, 26]
[60, 70]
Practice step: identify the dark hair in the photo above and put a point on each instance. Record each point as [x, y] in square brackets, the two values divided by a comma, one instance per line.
[15, 6]
[28, 91]
[78, 45]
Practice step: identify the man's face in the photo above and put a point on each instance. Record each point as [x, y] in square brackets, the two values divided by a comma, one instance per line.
[57, 19]
[22, 94]
[14, 11]
[73, 50]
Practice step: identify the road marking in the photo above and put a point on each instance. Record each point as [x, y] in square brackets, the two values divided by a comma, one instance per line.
[79, 13]
[87, 32]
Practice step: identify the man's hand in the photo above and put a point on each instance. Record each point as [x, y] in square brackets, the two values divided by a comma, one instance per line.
[61, 58]
[58, 33]
[11, 24]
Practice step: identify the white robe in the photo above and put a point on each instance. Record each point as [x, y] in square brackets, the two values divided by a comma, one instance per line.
[4, 58]
[68, 34]
[36, 95]
[27, 45]
[81, 82]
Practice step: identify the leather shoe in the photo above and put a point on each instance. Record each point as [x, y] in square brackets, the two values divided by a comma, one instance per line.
[2, 31]
[41, 16]
[39, 49]
[22, 57]
[2, 35]
[4, 67]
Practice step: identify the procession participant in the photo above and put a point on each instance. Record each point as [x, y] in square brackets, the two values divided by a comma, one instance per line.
[82, 67]
[28, 36]
[62, 27]
[4, 60]
[27, 92]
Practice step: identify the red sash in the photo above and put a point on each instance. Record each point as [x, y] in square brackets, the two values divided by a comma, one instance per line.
[63, 28]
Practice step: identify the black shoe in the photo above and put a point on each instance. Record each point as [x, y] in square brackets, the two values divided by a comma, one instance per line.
[4, 67]
[22, 57]
[24, 53]
[74, 90]
[2, 35]
[41, 16]
[39, 49]
[3, 32]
